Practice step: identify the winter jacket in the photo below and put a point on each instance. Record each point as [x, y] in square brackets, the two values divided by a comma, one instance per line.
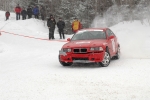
[76, 25]
[23, 12]
[51, 23]
[18, 9]
[7, 14]
[60, 24]
[29, 11]
[35, 11]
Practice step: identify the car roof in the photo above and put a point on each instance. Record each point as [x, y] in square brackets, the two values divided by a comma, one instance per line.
[92, 29]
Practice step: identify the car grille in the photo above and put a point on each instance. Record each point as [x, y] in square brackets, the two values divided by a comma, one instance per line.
[80, 50]
[80, 58]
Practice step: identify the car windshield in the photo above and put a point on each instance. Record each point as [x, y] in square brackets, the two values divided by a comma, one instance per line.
[89, 35]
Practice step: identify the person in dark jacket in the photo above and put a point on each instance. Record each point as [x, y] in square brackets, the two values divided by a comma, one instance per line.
[51, 16]
[51, 25]
[18, 11]
[36, 12]
[7, 14]
[43, 13]
[29, 12]
[24, 14]
[61, 25]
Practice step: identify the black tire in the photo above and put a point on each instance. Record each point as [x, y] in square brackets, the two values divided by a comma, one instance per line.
[106, 60]
[63, 63]
[118, 53]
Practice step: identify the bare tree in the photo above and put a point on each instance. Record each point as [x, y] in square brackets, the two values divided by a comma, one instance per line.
[5, 5]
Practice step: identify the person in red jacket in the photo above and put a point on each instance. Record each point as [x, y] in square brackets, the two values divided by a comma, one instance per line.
[76, 25]
[7, 14]
[18, 11]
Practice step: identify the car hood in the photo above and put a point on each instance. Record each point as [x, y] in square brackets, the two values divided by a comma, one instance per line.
[85, 43]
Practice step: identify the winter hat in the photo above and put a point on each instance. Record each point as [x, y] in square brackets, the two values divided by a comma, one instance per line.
[51, 15]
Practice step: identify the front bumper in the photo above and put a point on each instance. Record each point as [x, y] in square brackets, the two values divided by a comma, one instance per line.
[81, 58]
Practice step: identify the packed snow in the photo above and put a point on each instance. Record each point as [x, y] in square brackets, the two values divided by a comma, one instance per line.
[30, 70]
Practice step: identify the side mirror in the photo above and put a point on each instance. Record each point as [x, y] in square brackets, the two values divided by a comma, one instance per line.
[111, 37]
[68, 39]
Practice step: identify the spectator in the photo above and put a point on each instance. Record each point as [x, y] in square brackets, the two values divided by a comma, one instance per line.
[51, 16]
[76, 25]
[36, 12]
[51, 25]
[24, 14]
[18, 11]
[29, 12]
[43, 13]
[61, 25]
[7, 14]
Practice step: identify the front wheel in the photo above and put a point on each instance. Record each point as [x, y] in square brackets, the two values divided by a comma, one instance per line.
[106, 59]
[64, 63]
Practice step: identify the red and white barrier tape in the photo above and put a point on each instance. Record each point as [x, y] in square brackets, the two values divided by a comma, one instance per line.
[32, 37]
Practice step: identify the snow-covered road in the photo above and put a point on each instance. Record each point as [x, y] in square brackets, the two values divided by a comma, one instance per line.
[30, 70]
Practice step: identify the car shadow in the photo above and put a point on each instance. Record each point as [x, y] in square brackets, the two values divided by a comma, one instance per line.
[84, 65]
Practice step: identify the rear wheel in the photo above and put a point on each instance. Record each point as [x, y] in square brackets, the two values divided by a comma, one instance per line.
[64, 63]
[106, 59]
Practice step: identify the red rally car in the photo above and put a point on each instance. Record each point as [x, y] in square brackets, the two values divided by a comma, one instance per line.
[96, 45]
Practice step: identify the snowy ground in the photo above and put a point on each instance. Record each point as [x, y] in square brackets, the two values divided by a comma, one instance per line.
[30, 70]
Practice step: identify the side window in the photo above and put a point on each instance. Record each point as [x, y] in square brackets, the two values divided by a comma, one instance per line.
[110, 33]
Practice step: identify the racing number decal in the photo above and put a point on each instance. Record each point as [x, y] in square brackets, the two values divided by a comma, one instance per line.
[113, 44]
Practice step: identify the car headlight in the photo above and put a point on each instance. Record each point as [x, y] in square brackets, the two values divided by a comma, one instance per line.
[66, 50]
[96, 49]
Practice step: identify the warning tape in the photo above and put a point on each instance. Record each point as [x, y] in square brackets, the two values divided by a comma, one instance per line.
[32, 37]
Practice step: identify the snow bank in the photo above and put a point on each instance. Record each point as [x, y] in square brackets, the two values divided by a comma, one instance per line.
[1, 48]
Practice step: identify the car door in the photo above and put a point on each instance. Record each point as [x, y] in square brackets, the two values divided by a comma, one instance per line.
[111, 42]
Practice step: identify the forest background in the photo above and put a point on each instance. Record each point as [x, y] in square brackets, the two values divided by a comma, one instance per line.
[109, 12]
